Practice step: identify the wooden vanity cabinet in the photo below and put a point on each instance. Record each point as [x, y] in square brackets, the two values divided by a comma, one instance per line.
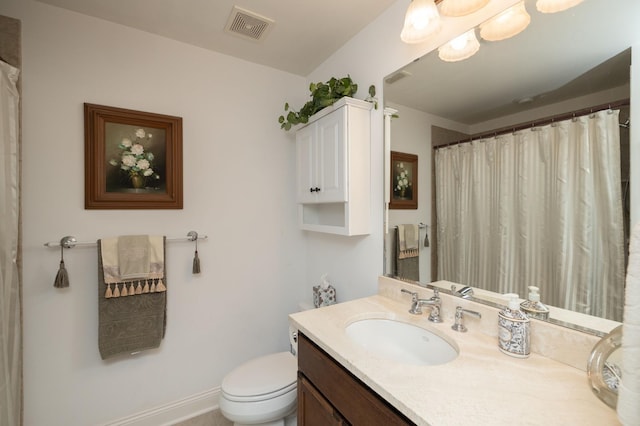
[328, 394]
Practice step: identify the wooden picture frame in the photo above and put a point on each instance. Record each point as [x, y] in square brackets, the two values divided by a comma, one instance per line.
[132, 159]
[404, 181]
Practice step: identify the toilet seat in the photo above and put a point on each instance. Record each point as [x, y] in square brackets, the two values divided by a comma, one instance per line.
[262, 378]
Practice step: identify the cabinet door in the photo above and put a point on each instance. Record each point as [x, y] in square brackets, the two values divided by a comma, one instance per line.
[305, 163]
[332, 158]
[314, 409]
[343, 392]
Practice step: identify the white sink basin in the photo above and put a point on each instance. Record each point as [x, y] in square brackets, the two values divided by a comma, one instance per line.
[401, 342]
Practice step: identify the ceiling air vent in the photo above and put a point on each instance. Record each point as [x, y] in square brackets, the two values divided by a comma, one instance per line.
[397, 76]
[248, 25]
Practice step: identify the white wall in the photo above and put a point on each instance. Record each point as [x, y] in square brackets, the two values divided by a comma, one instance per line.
[237, 190]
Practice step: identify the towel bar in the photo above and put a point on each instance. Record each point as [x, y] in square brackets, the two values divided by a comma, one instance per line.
[420, 226]
[70, 241]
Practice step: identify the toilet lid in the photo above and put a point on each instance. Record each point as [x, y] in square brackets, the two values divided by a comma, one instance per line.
[267, 375]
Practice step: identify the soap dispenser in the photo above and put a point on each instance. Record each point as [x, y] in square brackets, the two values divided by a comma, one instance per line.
[533, 307]
[514, 329]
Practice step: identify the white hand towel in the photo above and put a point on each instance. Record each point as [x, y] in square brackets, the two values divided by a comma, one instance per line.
[408, 238]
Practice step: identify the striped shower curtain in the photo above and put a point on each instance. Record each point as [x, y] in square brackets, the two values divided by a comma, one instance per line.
[540, 207]
[10, 317]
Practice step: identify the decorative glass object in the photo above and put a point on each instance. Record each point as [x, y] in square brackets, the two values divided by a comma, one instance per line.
[603, 367]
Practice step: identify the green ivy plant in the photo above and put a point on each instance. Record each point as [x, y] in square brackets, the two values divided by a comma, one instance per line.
[322, 96]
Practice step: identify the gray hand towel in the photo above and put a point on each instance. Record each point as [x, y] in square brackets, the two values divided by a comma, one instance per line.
[129, 324]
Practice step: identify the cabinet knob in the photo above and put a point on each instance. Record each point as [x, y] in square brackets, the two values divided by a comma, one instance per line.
[316, 189]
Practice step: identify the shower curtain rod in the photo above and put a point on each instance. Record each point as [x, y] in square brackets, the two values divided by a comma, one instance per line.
[71, 242]
[540, 122]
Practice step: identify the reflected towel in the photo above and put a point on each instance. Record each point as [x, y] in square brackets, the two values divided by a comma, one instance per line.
[408, 237]
[404, 267]
[629, 388]
[130, 324]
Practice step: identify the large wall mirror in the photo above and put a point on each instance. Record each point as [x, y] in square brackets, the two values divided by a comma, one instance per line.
[563, 66]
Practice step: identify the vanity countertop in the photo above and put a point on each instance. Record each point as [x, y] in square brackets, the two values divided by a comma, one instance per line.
[482, 386]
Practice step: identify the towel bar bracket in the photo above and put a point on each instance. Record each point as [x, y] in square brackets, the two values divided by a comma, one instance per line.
[68, 242]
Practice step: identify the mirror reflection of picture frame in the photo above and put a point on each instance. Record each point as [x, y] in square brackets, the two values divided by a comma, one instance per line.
[404, 181]
[133, 159]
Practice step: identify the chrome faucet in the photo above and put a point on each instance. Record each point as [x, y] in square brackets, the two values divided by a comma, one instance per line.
[434, 303]
[458, 325]
[465, 292]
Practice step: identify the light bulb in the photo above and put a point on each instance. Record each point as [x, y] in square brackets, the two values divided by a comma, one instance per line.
[461, 47]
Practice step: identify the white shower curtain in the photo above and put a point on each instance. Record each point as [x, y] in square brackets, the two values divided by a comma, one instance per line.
[10, 334]
[540, 207]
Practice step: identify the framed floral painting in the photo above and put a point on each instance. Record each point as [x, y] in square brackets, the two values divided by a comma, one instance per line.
[133, 159]
[404, 181]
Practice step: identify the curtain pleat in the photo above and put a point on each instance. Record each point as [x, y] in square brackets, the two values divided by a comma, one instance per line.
[10, 327]
[540, 207]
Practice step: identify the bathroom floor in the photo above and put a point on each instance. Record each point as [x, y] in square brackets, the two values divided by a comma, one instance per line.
[211, 418]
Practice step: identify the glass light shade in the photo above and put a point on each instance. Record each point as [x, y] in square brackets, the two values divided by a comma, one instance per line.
[460, 48]
[553, 6]
[506, 24]
[421, 21]
[461, 7]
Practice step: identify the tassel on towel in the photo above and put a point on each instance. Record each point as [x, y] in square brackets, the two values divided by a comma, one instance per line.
[196, 261]
[62, 277]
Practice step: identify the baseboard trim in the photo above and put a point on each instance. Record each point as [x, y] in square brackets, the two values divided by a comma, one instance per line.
[173, 412]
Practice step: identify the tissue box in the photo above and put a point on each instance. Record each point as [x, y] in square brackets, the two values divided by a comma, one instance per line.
[323, 296]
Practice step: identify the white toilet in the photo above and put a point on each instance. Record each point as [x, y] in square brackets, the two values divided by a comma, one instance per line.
[263, 391]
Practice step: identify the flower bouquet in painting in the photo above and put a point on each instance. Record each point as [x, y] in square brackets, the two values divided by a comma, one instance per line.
[403, 185]
[135, 160]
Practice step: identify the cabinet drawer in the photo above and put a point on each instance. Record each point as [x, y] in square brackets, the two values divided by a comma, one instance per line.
[356, 402]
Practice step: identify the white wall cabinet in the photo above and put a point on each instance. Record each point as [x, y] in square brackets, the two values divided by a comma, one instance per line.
[333, 169]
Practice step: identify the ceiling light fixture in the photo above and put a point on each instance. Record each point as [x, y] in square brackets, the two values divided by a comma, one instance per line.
[506, 24]
[461, 7]
[460, 48]
[420, 22]
[553, 6]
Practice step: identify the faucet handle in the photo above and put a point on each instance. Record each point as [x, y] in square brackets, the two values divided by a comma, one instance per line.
[415, 304]
[414, 295]
[436, 294]
[458, 325]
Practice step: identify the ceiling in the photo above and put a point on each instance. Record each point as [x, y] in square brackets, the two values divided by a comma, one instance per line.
[558, 57]
[548, 62]
[304, 34]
